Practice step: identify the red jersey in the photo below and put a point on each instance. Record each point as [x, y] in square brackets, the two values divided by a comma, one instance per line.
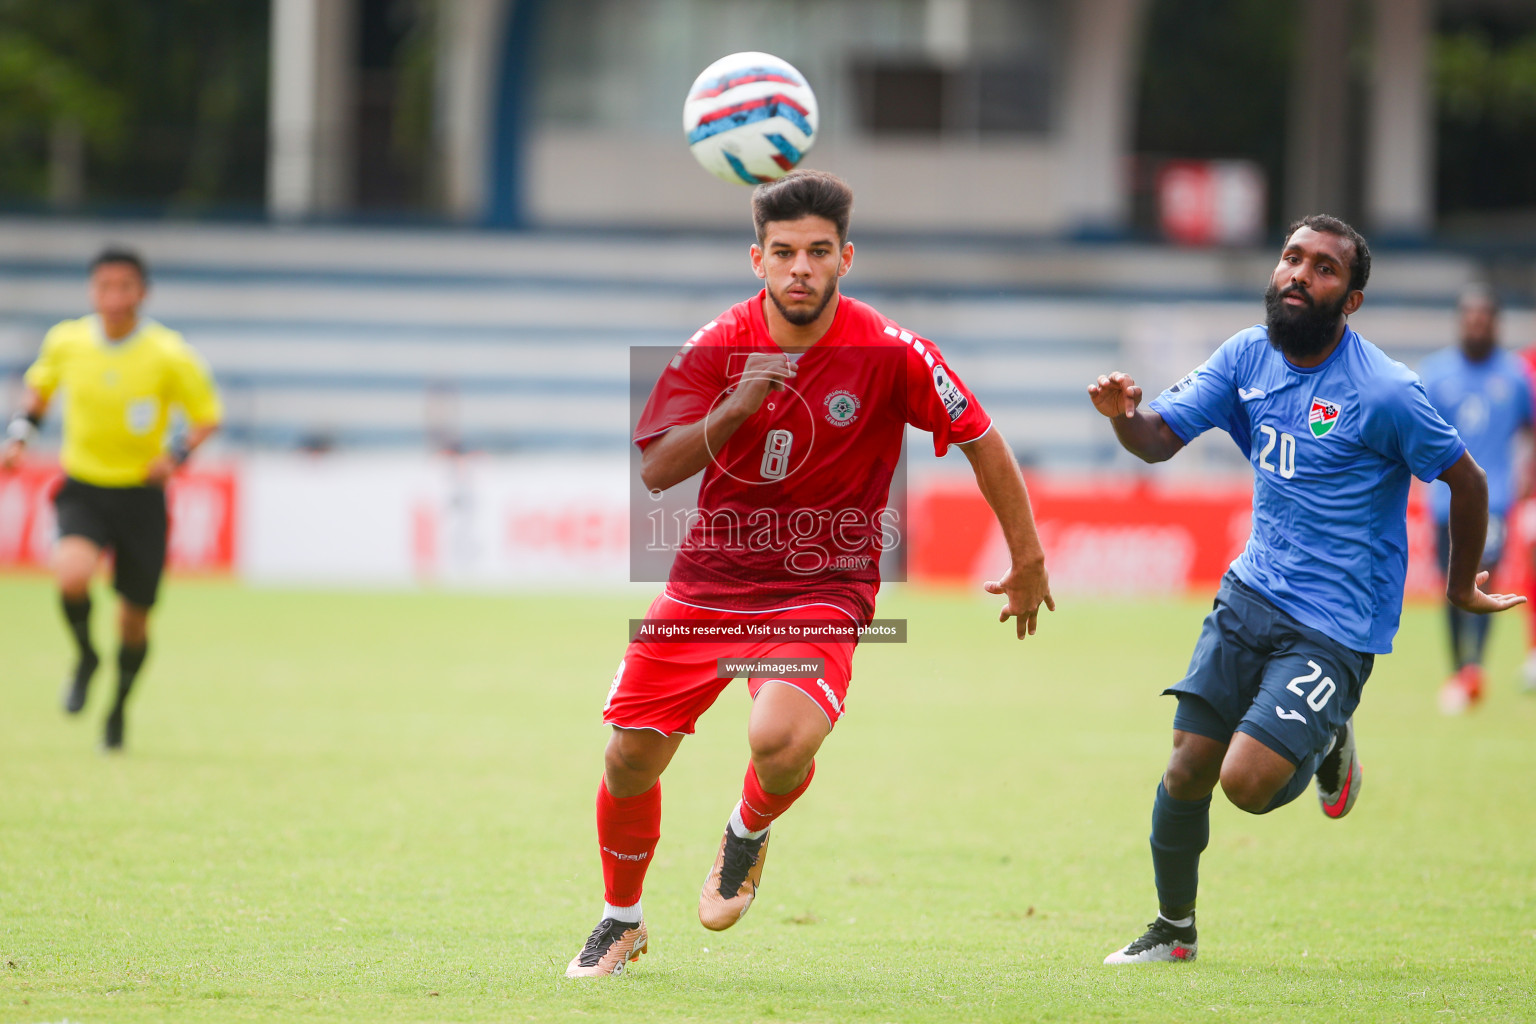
[792, 509]
[1528, 357]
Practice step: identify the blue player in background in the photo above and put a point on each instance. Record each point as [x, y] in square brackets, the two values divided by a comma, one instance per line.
[1485, 393]
[1333, 429]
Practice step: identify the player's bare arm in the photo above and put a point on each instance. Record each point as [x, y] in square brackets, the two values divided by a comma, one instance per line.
[1143, 434]
[33, 407]
[165, 467]
[1026, 584]
[1469, 528]
[683, 451]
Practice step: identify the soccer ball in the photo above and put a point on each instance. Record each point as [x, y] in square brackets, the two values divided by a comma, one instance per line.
[749, 118]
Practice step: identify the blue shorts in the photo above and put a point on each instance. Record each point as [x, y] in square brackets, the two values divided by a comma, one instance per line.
[1257, 670]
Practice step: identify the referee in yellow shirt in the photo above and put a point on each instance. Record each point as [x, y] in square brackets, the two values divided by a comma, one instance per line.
[121, 376]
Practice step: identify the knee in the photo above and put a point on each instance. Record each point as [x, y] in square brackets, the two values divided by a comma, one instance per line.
[622, 759]
[1190, 778]
[74, 562]
[74, 581]
[781, 756]
[134, 625]
[1246, 790]
[1182, 782]
[629, 764]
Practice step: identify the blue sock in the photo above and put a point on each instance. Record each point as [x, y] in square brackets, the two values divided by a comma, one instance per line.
[1479, 627]
[1456, 619]
[1180, 831]
[1298, 784]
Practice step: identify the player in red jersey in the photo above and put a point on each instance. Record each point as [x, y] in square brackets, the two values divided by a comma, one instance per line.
[794, 405]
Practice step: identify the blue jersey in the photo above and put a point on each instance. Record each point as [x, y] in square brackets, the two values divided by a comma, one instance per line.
[1488, 403]
[1332, 448]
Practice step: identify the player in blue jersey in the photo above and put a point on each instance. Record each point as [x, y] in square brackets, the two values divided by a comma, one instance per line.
[1333, 429]
[1485, 392]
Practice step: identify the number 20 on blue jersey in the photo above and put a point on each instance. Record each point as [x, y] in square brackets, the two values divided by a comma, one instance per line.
[1271, 439]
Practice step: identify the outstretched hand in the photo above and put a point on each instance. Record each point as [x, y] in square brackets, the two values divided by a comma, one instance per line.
[1115, 394]
[1480, 603]
[1027, 587]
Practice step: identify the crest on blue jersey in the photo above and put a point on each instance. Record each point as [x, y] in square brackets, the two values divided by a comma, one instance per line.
[1323, 416]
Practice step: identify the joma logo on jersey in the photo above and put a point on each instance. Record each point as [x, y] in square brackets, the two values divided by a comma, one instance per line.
[842, 407]
[1323, 416]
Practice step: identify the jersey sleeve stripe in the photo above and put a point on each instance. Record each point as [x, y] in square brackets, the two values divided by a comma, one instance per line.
[677, 360]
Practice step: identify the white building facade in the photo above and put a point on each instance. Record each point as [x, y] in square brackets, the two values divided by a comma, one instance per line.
[975, 116]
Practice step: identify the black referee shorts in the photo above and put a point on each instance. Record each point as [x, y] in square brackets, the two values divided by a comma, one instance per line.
[131, 521]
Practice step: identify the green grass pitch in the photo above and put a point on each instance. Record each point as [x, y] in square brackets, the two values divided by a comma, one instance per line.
[365, 807]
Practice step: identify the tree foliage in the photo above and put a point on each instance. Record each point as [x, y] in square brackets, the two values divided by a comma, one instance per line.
[1486, 92]
[1214, 82]
[1477, 80]
[169, 98]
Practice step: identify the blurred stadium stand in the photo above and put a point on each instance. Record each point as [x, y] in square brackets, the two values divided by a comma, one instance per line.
[329, 338]
[400, 229]
[1005, 155]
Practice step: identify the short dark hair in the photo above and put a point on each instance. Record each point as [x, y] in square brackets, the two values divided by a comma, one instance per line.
[803, 194]
[1359, 263]
[123, 255]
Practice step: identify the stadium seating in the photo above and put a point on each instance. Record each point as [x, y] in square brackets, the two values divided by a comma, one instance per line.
[329, 337]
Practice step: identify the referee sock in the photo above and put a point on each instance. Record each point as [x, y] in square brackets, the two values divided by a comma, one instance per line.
[1180, 831]
[758, 807]
[78, 615]
[628, 829]
[129, 661]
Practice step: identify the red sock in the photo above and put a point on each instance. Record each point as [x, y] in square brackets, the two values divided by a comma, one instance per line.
[627, 831]
[759, 808]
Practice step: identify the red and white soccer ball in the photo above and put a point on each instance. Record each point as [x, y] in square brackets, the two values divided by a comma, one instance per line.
[750, 118]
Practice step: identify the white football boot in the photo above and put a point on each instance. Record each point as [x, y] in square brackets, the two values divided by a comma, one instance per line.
[1163, 943]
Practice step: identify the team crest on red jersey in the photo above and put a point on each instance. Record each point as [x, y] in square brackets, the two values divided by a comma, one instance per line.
[1323, 416]
[842, 407]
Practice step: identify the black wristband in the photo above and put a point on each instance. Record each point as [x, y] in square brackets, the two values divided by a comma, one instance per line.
[179, 451]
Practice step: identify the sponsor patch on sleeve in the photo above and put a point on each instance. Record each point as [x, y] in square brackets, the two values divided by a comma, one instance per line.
[949, 392]
[1186, 381]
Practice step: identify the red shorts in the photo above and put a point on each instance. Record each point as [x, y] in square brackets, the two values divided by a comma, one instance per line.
[667, 686]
